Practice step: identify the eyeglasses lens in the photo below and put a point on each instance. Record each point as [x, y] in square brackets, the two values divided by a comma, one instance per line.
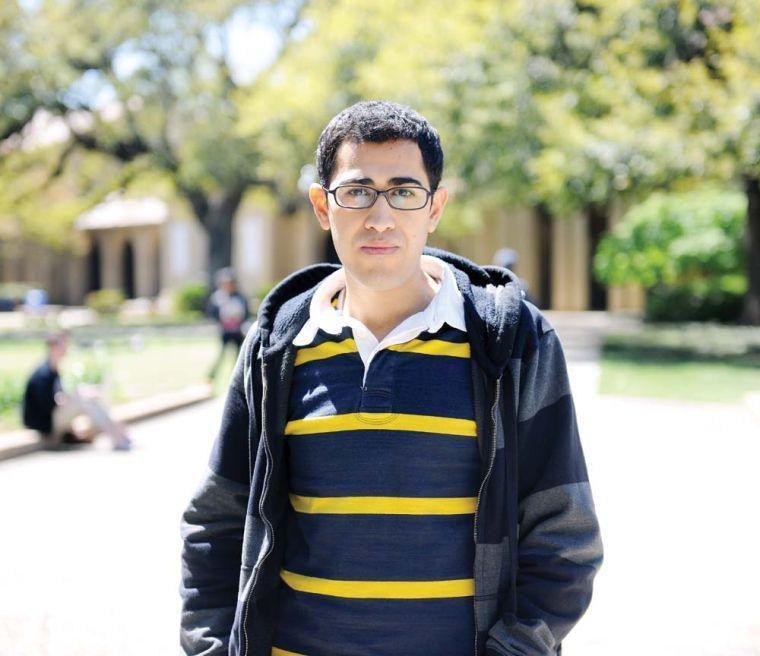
[401, 198]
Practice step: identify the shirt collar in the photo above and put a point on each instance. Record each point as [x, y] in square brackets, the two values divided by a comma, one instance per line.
[447, 306]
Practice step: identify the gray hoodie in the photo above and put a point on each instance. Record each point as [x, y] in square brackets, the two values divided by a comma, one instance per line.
[537, 542]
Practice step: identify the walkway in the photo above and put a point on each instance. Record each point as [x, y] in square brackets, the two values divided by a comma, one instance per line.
[90, 549]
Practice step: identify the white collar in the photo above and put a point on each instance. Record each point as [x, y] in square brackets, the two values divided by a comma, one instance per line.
[446, 306]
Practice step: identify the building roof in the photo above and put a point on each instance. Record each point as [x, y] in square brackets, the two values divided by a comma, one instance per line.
[119, 212]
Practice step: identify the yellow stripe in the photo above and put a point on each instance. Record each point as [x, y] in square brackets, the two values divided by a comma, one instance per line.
[380, 589]
[384, 505]
[383, 420]
[434, 347]
[276, 651]
[326, 350]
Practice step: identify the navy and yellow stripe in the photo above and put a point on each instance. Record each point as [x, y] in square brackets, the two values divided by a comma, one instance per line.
[379, 589]
[383, 479]
[383, 505]
[387, 421]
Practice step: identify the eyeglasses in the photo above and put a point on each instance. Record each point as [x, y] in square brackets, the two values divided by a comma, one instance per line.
[361, 197]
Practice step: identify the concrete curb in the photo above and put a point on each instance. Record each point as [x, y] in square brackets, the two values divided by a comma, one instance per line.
[21, 442]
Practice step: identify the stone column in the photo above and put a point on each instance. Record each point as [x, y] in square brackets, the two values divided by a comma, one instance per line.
[570, 254]
[110, 259]
[144, 243]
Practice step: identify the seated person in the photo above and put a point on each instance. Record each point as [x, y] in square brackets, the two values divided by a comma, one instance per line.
[50, 409]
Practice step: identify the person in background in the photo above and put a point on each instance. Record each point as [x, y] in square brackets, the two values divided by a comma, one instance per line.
[230, 309]
[50, 409]
[507, 258]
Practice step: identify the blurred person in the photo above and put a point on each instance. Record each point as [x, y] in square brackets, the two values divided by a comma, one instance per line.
[230, 309]
[508, 258]
[398, 469]
[35, 301]
[51, 410]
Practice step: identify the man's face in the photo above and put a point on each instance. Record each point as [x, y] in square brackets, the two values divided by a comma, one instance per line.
[398, 236]
[59, 348]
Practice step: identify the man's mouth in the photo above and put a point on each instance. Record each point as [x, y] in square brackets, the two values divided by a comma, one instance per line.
[379, 250]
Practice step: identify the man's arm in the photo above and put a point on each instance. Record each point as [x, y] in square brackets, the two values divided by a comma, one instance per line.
[212, 527]
[559, 546]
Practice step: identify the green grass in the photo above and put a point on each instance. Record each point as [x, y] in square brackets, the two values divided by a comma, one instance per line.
[688, 362]
[129, 369]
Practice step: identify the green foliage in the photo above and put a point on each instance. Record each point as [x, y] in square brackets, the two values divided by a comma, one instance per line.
[563, 104]
[11, 391]
[702, 300]
[191, 298]
[105, 301]
[686, 249]
[88, 369]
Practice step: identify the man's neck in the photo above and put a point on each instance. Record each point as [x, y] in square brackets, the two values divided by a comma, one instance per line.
[382, 311]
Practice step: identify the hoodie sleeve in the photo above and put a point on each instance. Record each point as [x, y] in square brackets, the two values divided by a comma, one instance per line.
[559, 544]
[213, 523]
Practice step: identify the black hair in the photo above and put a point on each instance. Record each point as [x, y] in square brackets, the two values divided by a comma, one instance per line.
[378, 121]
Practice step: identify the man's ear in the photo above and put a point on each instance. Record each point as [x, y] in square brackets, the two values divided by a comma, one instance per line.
[437, 203]
[318, 200]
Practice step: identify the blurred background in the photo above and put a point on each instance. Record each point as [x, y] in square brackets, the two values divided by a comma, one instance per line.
[607, 152]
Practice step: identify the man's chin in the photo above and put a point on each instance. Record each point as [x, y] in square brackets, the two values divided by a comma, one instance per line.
[380, 281]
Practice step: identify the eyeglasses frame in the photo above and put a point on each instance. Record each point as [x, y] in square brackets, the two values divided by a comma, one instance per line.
[379, 193]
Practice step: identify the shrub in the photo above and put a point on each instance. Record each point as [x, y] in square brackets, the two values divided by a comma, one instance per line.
[11, 392]
[105, 301]
[191, 298]
[686, 250]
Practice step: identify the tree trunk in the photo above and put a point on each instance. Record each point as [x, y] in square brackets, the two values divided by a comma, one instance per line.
[219, 229]
[752, 245]
[216, 217]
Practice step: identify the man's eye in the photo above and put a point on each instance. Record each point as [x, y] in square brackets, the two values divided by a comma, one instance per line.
[358, 191]
[403, 192]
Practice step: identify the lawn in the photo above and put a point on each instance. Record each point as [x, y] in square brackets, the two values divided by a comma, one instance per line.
[691, 362]
[127, 367]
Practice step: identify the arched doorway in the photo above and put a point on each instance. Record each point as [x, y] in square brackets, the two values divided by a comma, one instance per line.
[93, 267]
[128, 270]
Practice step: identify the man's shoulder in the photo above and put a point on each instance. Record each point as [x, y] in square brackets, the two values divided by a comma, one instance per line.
[42, 373]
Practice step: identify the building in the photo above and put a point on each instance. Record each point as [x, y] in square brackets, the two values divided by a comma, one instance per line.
[148, 247]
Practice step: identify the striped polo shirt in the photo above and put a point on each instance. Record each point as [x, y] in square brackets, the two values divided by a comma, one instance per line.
[383, 473]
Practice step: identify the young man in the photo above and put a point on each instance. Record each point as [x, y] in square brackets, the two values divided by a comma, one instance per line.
[398, 469]
[50, 409]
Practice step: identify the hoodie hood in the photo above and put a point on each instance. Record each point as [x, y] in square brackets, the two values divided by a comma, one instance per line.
[492, 306]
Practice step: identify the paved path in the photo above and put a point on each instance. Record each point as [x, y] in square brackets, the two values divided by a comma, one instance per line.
[89, 558]
[90, 544]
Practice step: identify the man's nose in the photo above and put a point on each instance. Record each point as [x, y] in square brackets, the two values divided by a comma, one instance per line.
[380, 216]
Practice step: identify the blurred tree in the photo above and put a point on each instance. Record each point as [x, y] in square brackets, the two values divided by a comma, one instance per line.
[151, 84]
[686, 250]
[696, 63]
[394, 49]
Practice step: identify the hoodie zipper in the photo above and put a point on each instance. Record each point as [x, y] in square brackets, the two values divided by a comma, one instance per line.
[492, 457]
[261, 508]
